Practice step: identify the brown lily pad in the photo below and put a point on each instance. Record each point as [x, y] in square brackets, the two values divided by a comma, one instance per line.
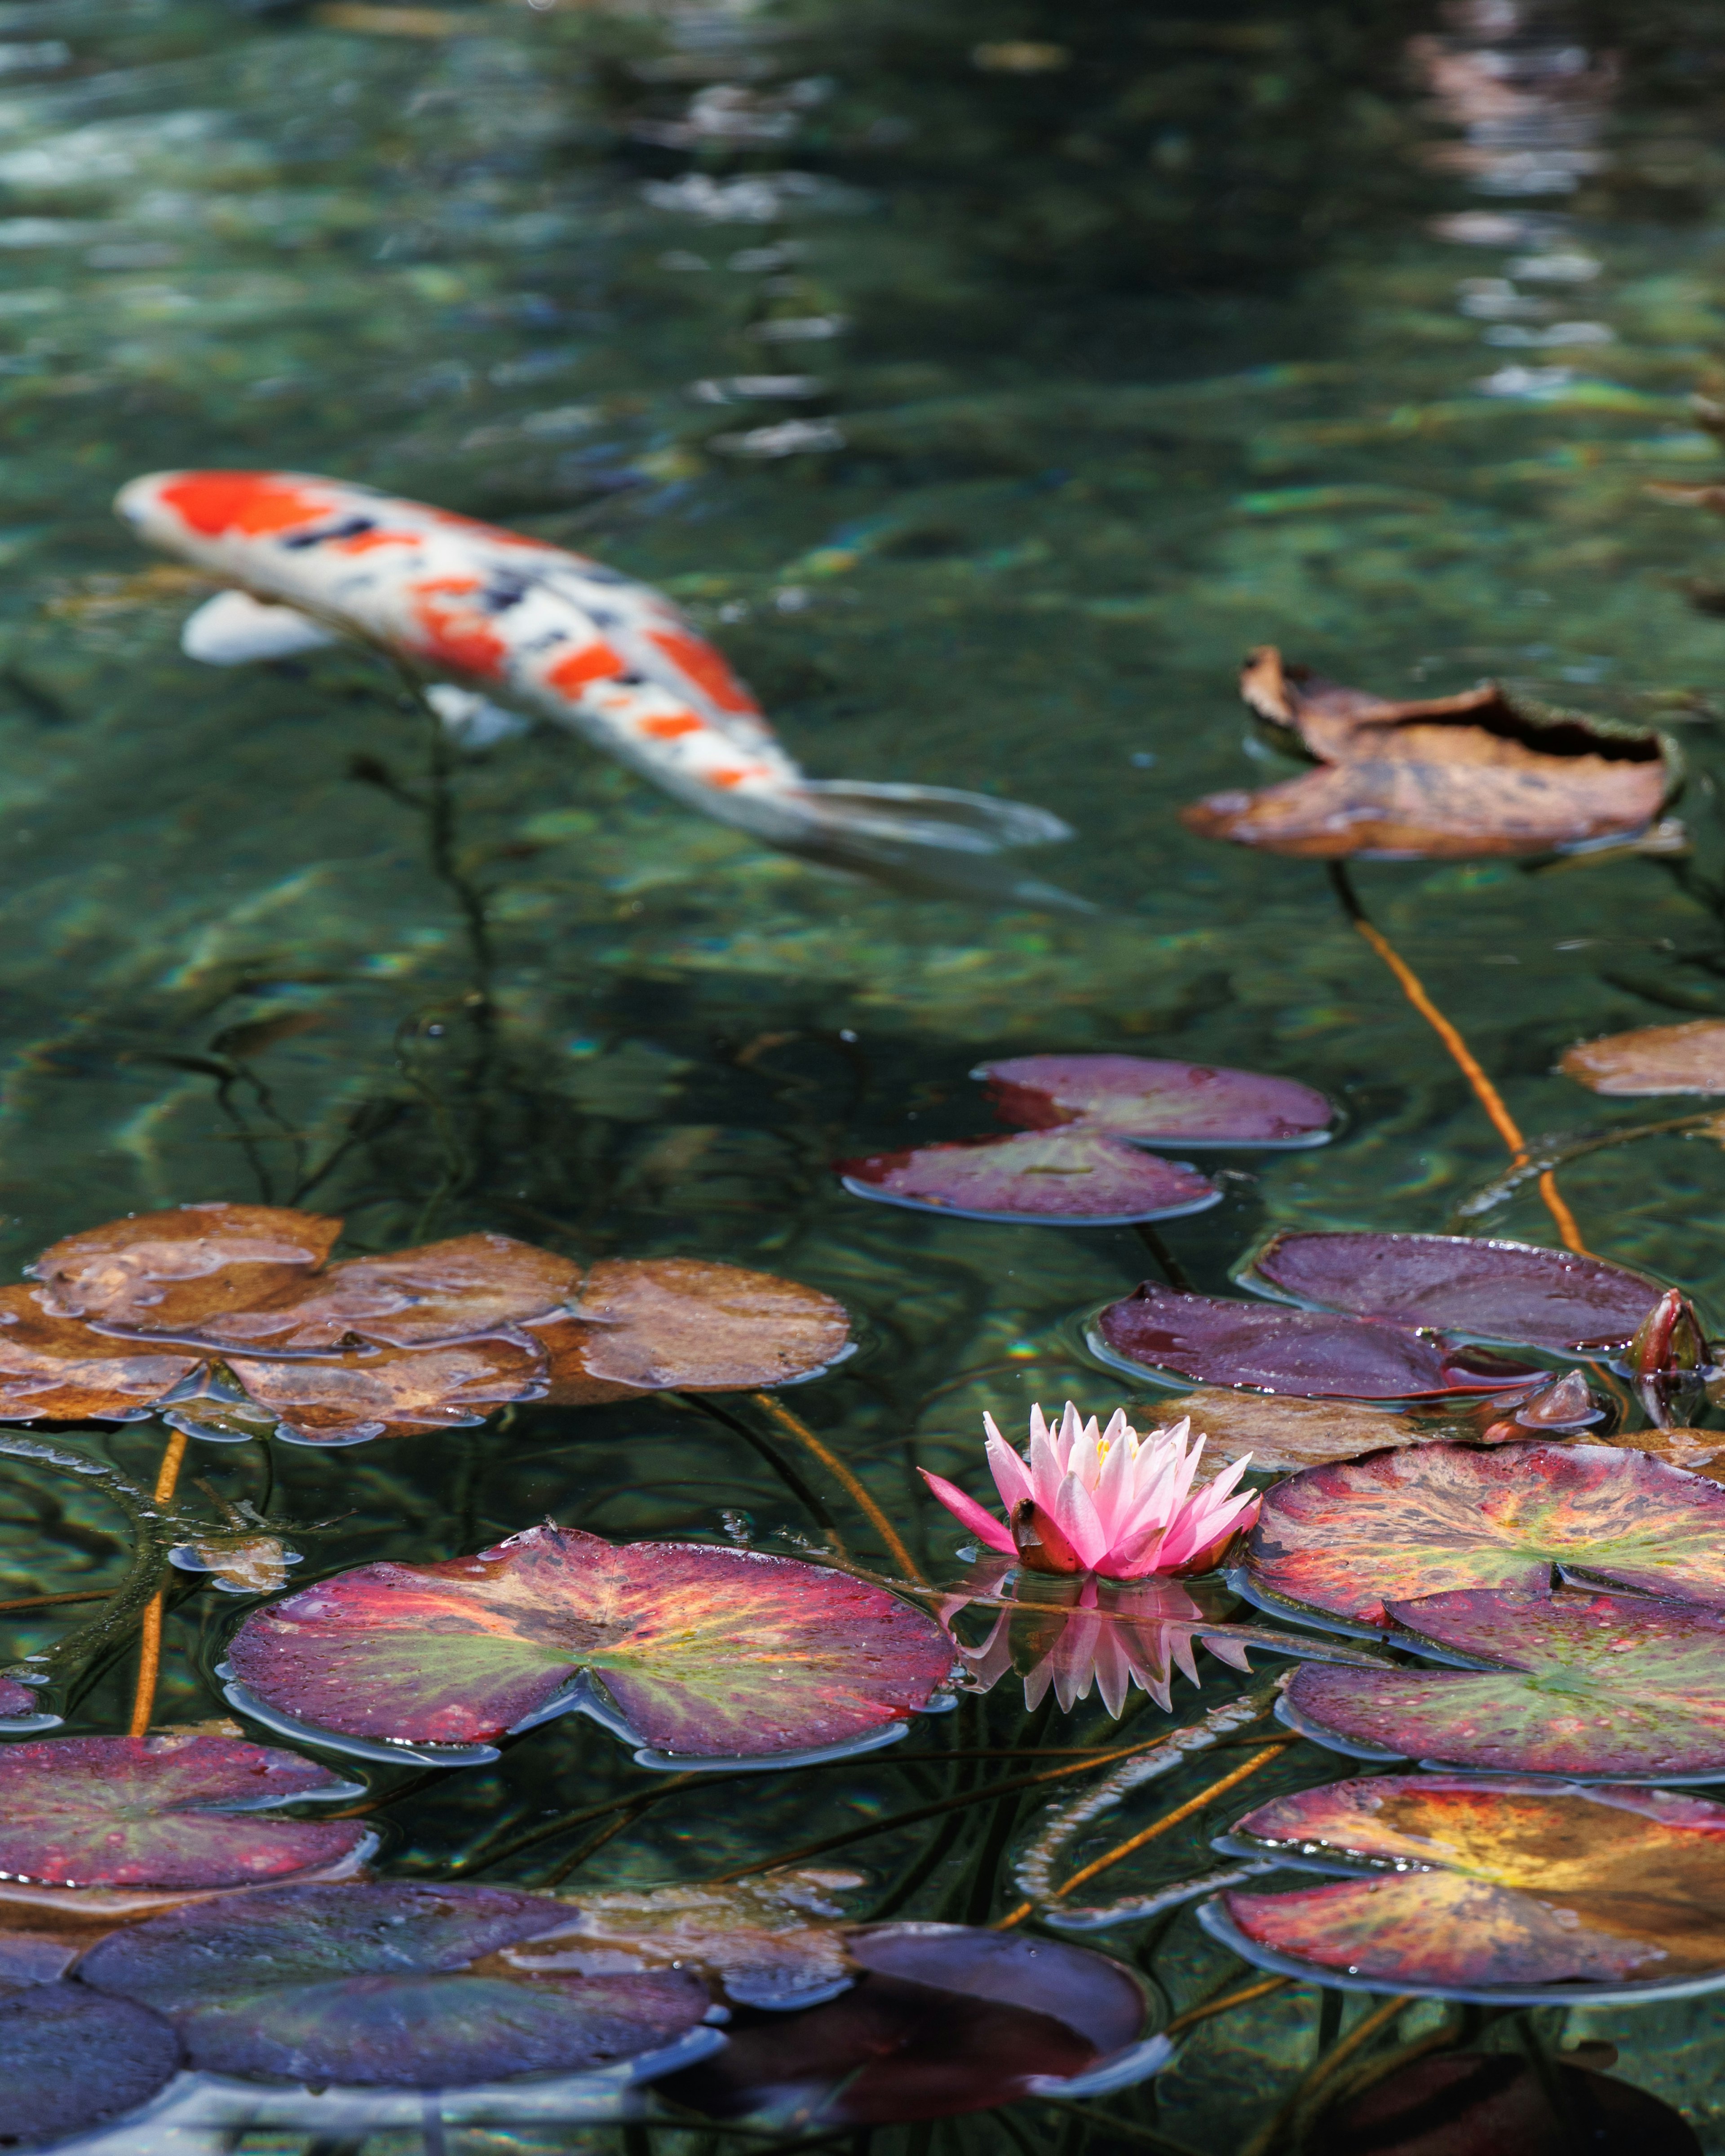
[161, 1272]
[1651, 1059]
[1444, 778]
[56, 1370]
[460, 1289]
[1701, 1451]
[1284, 1434]
[650, 1324]
[392, 1392]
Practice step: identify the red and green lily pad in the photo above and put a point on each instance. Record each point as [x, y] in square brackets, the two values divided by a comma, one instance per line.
[1079, 1177]
[71, 2061]
[944, 2019]
[1588, 1686]
[1271, 1348]
[1155, 1100]
[1461, 1284]
[698, 1654]
[144, 1818]
[1340, 1541]
[1490, 1889]
[395, 1985]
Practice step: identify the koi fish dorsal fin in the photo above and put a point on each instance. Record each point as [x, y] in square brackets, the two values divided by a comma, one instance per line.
[233, 629]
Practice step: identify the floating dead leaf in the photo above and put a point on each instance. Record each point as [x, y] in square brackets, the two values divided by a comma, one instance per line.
[159, 1273]
[460, 1289]
[649, 1324]
[1447, 777]
[56, 1370]
[1701, 1451]
[391, 1392]
[1283, 1434]
[770, 1941]
[243, 1563]
[1651, 1059]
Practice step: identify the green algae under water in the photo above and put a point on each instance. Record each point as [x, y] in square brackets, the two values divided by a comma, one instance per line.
[1100, 344]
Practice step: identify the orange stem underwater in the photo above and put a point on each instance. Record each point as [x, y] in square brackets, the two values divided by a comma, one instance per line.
[150, 1640]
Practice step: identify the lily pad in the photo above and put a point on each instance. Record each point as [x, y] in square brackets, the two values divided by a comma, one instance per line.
[460, 1289]
[57, 1369]
[704, 1654]
[1499, 1890]
[652, 1324]
[1216, 1340]
[1073, 1176]
[1340, 1541]
[1590, 1686]
[162, 1272]
[20, 1703]
[1459, 1284]
[396, 1985]
[391, 1392]
[147, 1818]
[1450, 777]
[1282, 1433]
[943, 2019]
[1473, 2103]
[71, 2061]
[1147, 1098]
[1652, 1060]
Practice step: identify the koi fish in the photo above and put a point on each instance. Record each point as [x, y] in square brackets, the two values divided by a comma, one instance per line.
[313, 560]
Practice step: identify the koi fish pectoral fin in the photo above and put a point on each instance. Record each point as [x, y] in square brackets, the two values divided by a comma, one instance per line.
[233, 629]
[935, 816]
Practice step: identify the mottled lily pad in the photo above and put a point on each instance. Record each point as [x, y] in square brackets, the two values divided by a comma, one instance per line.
[71, 2061]
[460, 1289]
[1650, 1061]
[161, 1272]
[1073, 1176]
[146, 1818]
[1450, 777]
[1591, 1686]
[396, 1985]
[652, 1324]
[1459, 1284]
[1340, 1541]
[1270, 1347]
[57, 1369]
[1473, 2103]
[943, 2019]
[1488, 1889]
[1149, 1099]
[702, 1654]
[391, 1392]
[1283, 1433]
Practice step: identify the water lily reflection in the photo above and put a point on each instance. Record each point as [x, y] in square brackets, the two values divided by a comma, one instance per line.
[1070, 1635]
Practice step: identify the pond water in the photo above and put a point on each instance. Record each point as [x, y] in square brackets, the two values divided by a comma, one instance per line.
[985, 382]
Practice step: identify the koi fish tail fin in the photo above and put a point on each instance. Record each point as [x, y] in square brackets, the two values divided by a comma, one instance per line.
[932, 841]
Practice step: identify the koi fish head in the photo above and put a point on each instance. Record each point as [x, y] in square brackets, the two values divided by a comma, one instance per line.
[190, 512]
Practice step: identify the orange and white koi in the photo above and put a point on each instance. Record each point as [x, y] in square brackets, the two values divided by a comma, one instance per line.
[563, 637]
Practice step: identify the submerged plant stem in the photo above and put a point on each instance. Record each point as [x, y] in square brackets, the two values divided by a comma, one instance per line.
[150, 1640]
[1312, 2082]
[1207, 2009]
[771, 1405]
[781, 1467]
[1471, 1069]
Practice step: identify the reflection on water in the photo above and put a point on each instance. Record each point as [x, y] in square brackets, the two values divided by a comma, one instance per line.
[983, 386]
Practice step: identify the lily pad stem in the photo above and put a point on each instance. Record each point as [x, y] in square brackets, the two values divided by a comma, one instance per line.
[1487, 1095]
[774, 1408]
[150, 1641]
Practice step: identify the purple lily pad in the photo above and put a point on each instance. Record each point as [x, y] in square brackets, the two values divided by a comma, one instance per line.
[167, 1815]
[1341, 1541]
[21, 1710]
[707, 1653]
[1077, 1177]
[1214, 1340]
[1145, 1098]
[1611, 1687]
[1491, 1291]
[1470, 2103]
[945, 2020]
[1486, 1888]
[396, 1985]
[71, 2061]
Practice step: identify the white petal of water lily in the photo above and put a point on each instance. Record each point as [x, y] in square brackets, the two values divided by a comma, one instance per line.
[1075, 1514]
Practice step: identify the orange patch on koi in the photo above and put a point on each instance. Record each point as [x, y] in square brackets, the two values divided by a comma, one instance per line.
[706, 668]
[672, 727]
[593, 662]
[214, 502]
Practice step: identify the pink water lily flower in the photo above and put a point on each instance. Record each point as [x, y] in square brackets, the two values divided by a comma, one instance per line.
[1107, 1501]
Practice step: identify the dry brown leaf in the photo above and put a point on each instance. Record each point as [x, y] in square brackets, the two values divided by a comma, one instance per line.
[464, 1289]
[392, 1392]
[770, 1941]
[1651, 1059]
[1283, 1434]
[158, 1273]
[1701, 1451]
[1453, 777]
[653, 1323]
[56, 1370]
